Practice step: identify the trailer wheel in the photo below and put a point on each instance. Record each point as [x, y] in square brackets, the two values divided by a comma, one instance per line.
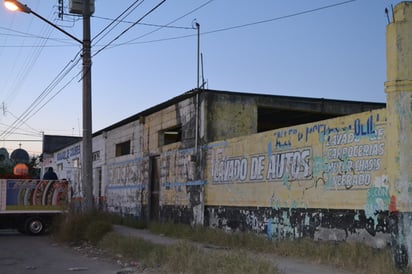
[35, 226]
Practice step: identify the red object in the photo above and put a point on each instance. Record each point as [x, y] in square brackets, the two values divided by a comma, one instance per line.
[392, 204]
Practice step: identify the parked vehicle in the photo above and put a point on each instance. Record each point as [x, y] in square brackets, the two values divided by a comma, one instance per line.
[30, 205]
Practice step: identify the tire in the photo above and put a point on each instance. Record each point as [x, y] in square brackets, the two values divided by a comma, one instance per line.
[35, 226]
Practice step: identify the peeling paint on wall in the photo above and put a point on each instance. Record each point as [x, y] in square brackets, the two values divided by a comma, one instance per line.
[127, 192]
[321, 180]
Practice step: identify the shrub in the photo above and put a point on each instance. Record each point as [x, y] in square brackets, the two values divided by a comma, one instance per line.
[77, 228]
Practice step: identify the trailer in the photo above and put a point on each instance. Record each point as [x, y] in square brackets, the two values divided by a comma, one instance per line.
[30, 205]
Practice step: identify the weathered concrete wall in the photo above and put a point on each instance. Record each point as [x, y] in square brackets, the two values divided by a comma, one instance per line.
[179, 114]
[228, 116]
[181, 190]
[288, 182]
[399, 104]
[126, 176]
[131, 179]
[181, 194]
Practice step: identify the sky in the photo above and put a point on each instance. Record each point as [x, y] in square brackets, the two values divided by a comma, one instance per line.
[145, 52]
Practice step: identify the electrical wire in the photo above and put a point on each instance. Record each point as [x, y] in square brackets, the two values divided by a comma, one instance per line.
[25, 116]
[22, 73]
[131, 42]
[34, 107]
[143, 24]
[30, 35]
[27, 125]
[130, 27]
[168, 24]
[130, 9]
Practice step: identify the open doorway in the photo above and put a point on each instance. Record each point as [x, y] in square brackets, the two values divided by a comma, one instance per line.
[154, 188]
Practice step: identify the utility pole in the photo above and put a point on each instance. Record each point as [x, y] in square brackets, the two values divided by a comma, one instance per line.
[87, 165]
[87, 162]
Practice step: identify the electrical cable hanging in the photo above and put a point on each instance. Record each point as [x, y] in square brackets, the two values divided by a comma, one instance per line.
[22, 73]
[28, 113]
[131, 42]
[127, 29]
[143, 24]
[35, 107]
[164, 26]
[130, 9]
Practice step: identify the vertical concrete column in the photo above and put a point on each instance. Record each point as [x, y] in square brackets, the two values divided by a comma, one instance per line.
[398, 89]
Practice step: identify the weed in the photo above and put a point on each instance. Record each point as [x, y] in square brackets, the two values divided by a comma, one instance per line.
[185, 257]
[77, 228]
[188, 258]
[350, 256]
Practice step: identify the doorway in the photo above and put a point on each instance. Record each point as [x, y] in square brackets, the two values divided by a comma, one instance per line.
[154, 188]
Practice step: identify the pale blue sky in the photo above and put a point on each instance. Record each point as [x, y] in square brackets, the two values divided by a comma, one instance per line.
[320, 48]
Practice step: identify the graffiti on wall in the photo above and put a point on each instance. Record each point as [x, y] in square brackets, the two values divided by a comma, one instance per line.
[309, 175]
[127, 173]
[177, 172]
[125, 194]
[256, 168]
[348, 155]
[352, 156]
[125, 201]
[344, 157]
[69, 153]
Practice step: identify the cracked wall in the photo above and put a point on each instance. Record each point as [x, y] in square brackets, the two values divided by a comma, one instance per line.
[325, 180]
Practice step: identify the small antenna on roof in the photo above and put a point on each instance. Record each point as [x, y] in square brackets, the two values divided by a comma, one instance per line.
[387, 15]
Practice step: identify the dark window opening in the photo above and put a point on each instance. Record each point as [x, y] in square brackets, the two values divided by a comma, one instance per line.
[96, 156]
[123, 148]
[171, 135]
[274, 118]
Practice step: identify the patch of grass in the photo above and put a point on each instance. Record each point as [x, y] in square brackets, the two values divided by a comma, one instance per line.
[185, 257]
[78, 228]
[355, 257]
[133, 248]
[349, 256]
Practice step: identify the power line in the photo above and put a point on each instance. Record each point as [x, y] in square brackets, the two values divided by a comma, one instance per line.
[129, 10]
[130, 42]
[131, 26]
[30, 35]
[144, 24]
[164, 26]
[15, 117]
[33, 108]
[282, 17]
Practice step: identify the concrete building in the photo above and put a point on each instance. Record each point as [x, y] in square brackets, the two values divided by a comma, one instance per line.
[288, 167]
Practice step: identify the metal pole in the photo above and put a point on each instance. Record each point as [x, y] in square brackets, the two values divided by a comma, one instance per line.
[87, 162]
[197, 89]
[198, 53]
[87, 165]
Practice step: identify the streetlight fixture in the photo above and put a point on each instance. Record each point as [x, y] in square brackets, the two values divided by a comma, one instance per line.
[16, 6]
[87, 162]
